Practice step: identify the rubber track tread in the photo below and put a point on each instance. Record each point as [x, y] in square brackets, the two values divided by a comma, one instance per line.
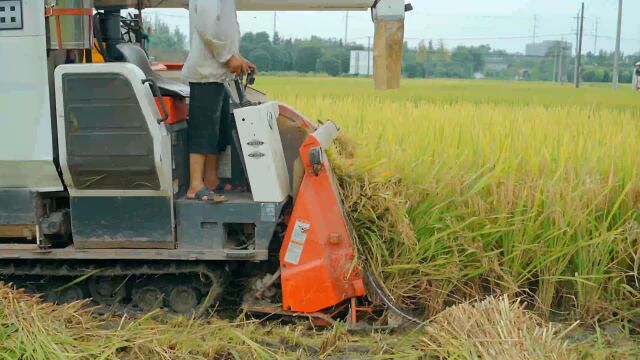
[65, 269]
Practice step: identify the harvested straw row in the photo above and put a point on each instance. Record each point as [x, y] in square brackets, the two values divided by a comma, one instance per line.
[493, 329]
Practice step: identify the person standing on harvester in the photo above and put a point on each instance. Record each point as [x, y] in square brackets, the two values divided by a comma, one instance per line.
[214, 57]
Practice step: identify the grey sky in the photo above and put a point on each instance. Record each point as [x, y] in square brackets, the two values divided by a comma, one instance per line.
[499, 23]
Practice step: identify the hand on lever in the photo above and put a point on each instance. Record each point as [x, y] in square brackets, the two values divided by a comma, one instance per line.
[238, 65]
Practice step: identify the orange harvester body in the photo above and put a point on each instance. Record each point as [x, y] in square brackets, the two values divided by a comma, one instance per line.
[177, 108]
[317, 256]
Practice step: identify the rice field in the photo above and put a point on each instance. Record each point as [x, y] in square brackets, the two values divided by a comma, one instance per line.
[507, 214]
[462, 189]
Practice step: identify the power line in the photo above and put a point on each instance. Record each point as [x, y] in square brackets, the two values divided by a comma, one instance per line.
[600, 36]
[490, 38]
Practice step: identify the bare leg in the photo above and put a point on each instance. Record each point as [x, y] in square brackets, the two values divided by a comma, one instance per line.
[211, 179]
[196, 173]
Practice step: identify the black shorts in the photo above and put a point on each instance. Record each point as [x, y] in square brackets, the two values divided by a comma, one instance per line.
[209, 129]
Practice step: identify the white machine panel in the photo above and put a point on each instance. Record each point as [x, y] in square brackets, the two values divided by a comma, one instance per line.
[26, 150]
[263, 153]
[159, 134]
[10, 14]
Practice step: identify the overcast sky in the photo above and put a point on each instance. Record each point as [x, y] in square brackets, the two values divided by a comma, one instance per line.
[503, 24]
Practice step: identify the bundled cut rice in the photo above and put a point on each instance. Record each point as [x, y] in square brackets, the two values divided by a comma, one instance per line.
[494, 329]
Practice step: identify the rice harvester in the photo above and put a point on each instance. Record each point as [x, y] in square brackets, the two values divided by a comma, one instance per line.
[94, 170]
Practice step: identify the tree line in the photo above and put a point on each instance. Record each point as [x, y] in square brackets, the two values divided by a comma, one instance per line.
[427, 60]
[284, 55]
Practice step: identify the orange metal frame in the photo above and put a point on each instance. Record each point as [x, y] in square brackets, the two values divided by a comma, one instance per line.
[298, 118]
[48, 12]
[321, 273]
[177, 108]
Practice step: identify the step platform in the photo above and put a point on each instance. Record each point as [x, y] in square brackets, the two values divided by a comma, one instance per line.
[238, 226]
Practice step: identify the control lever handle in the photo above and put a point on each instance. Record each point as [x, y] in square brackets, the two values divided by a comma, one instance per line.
[251, 79]
[241, 86]
[239, 89]
[156, 92]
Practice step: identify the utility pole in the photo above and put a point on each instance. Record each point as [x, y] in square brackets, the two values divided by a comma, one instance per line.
[275, 21]
[580, 47]
[595, 42]
[346, 29]
[616, 61]
[369, 57]
[535, 27]
[575, 67]
[561, 65]
[555, 66]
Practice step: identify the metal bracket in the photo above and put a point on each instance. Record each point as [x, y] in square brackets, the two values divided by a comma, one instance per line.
[315, 158]
[389, 9]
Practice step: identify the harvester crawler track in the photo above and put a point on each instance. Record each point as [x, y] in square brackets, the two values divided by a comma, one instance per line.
[179, 286]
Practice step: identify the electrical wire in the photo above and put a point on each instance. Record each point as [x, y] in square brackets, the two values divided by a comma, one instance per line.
[492, 38]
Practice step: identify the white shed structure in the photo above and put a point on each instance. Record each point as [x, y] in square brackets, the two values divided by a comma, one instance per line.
[361, 63]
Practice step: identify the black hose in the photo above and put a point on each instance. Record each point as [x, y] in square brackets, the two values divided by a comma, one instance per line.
[386, 299]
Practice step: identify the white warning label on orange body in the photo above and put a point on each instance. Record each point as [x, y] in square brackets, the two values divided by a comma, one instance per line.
[296, 246]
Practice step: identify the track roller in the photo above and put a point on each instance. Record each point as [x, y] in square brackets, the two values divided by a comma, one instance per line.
[107, 290]
[183, 288]
[69, 294]
[184, 299]
[148, 298]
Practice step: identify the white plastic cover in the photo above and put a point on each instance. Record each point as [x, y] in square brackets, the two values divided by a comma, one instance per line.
[263, 152]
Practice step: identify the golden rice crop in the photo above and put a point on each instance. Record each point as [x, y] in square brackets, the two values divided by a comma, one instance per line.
[455, 190]
[461, 189]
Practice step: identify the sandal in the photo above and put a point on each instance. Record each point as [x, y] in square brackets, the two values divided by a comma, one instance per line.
[205, 194]
[223, 186]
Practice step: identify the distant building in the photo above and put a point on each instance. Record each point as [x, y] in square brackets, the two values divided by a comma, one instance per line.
[495, 63]
[361, 62]
[524, 74]
[548, 47]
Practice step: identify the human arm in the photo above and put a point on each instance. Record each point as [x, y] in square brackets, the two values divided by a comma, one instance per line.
[216, 25]
[239, 65]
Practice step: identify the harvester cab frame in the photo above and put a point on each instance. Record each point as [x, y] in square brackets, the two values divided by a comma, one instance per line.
[94, 172]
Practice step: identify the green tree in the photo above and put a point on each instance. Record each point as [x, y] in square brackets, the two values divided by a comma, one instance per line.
[261, 58]
[307, 58]
[166, 45]
[329, 65]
